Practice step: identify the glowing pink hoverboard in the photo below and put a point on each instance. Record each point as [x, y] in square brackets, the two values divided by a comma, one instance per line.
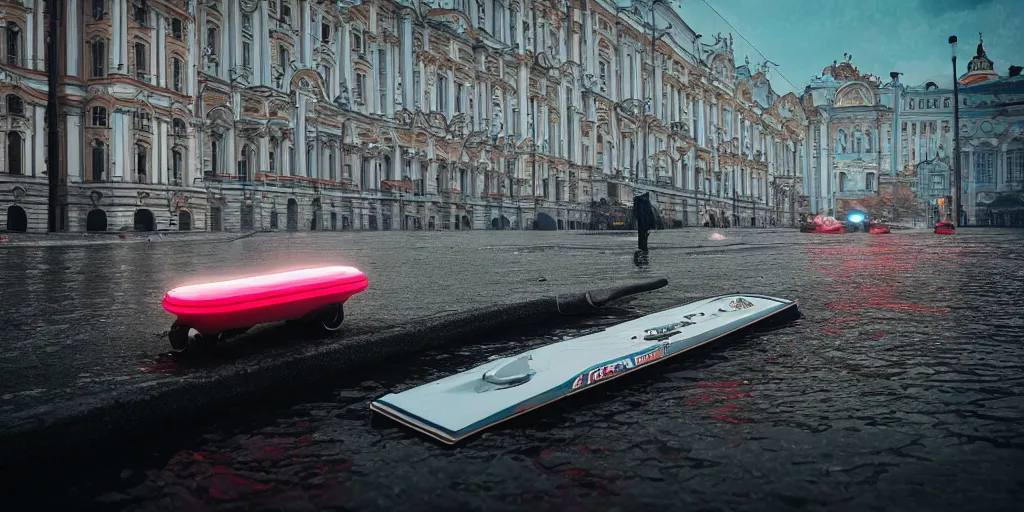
[226, 308]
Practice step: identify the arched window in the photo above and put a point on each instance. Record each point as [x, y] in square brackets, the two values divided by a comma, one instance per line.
[178, 128]
[282, 57]
[275, 152]
[99, 117]
[177, 69]
[867, 140]
[14, 151]
[141, 71]
[15, 105]
[98, 9]
[13, 44]
[98, 55]
[177, 165]
[99, 160]
[141, 163]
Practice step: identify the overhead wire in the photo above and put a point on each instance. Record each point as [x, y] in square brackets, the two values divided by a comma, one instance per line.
[774, 65]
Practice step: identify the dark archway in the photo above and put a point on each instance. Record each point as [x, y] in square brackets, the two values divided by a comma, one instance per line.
[144, 220]
[293, 215]
[545, 222]
[96, 220]
[334, 221]
[501, 222]
[17, 220]
[184, 220]
[466, 223]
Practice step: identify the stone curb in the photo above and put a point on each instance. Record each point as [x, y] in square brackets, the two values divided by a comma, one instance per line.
[132, 413]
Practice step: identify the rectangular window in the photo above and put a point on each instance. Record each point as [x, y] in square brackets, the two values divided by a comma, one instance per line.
[325, 33]
[985, 167]
[176, 29]
[1015, 167]
[176, 69]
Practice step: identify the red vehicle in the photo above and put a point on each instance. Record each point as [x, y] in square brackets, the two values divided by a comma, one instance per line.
[878, 229]
[823, 224]
[227, 308]
[945, 228]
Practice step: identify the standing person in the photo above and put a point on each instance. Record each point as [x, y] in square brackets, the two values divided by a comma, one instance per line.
[643, 212]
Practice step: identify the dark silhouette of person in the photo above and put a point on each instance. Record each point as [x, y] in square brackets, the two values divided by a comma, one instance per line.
[643, 212]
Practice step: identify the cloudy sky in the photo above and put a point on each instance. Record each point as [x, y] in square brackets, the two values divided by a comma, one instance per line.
[909, 36]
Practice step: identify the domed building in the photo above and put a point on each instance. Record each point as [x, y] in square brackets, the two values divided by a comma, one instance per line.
[888, 149]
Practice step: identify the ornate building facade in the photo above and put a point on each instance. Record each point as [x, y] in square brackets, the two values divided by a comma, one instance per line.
[382, 114]
[887, 148]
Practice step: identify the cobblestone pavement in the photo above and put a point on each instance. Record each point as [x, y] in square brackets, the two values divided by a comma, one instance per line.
[898, 388]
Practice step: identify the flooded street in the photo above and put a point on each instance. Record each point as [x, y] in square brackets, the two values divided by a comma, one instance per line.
[899, 388]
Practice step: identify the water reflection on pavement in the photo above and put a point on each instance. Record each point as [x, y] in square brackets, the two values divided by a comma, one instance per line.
[900, 388]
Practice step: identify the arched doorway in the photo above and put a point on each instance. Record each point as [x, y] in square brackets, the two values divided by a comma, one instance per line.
[184, 220]
[545, 222]
[144, 220]
[466, 223]
[96, 220]
[17, 220]
[293, 215]
[501, 222]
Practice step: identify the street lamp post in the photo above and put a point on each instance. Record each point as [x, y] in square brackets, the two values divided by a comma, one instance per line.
[956, 137]
[650, 78]
[53, 163]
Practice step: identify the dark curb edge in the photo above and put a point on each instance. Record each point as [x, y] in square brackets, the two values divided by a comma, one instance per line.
[130, 414]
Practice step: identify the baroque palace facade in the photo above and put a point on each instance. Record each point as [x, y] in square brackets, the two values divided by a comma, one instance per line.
[887, 149]
[384, 114]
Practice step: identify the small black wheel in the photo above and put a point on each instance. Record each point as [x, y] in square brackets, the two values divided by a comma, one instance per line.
[332, 317]
[181, 336]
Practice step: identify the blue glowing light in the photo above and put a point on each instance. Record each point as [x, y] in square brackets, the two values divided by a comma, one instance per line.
[855, 217]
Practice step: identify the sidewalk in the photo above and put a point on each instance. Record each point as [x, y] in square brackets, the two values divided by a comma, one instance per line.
[13, 239]
[107, 373]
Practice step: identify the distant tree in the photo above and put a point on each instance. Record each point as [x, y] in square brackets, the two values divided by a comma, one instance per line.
[895, 204]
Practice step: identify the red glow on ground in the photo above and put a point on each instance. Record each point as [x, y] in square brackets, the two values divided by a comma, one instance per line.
[720, 393]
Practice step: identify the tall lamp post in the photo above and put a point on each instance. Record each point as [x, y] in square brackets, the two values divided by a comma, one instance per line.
[53, 163]
[956, 138]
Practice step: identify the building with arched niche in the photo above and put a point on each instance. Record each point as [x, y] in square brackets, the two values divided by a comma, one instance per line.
[381, 114]
[887, 149]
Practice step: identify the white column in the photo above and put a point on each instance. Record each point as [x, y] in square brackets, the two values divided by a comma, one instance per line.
[407, 61]
[307, 36]
[73, 131]
[300, 138]
[346, 57]
[117, 19]
[159, 159]
[389, 86]
[267, 54]
[264, 156]
[73, 42]
[158, 53]
[35, 38]
[233, 30]
[38, 142]
[117, 155]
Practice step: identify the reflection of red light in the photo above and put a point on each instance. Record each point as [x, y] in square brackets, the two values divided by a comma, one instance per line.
[224, 305]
